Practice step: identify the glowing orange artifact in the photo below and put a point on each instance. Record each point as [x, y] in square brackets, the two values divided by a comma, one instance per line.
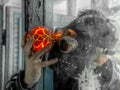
[42, 37]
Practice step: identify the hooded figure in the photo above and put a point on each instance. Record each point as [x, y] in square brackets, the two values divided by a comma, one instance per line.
[88, 37]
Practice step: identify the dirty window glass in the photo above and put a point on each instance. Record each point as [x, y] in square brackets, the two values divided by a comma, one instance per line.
[98, 35]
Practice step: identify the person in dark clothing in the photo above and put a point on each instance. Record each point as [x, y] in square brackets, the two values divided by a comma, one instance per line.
[82, 57]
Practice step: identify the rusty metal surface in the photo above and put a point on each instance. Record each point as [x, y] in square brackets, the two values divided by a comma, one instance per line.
[33, 13]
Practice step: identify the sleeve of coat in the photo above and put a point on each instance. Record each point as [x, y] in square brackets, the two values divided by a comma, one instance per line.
[115, 80]
[17, 83]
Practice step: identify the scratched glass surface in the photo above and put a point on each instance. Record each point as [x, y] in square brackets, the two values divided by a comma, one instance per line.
[66, 11]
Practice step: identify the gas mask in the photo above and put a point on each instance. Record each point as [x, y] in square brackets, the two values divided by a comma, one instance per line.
[74, 54]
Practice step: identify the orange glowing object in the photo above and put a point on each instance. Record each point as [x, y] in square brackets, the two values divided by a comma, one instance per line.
[42, 37]
[73, 33]
[58, 35]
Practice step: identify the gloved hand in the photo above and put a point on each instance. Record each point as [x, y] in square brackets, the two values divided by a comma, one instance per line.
[99, 58]
[33, 62]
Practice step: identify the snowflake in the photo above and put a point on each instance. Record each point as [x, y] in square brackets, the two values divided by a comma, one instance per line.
[88, 80]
